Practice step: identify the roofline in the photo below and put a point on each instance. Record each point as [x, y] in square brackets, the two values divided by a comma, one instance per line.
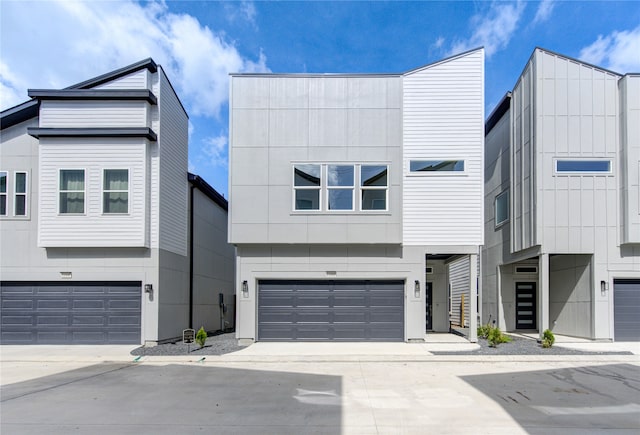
[210, 192]
[147, 63]
[446, 59]
[497, 113]
[94, 94]
[20, 113]
[173, 90]
[575, 60]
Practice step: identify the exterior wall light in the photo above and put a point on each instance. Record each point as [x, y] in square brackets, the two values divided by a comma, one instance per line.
[416, 289]
[148, 288]
[604, 286]
[245, 289]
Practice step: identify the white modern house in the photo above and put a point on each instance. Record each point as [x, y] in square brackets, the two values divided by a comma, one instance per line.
[357, 202]
[562, 221]
[104, 236]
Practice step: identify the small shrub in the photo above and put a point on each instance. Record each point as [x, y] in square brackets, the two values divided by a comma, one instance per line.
[548, 339]
[483, 331]
[201, 337]
[496, 337]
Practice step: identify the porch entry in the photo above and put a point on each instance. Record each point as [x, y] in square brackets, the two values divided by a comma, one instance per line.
[526, 305]
[429, 303]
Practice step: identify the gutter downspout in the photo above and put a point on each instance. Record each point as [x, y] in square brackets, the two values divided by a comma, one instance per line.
[191, 213]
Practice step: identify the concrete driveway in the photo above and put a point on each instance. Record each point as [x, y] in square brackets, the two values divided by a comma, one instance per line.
[362, 395]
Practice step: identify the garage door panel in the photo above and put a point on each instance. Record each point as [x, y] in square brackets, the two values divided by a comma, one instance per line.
[331, 310]
[626, 302]
[68, 313]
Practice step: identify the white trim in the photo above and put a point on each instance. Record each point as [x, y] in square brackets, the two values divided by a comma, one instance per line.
[84, 191]
[582, 159]
[103, 191]
[328, 188]
[25, 193]
[362, 188]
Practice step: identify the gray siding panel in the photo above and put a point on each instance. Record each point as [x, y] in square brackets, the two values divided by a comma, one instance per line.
[331, 310]
[70, 312]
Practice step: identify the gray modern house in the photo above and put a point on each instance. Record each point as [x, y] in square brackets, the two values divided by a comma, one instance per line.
[104, 236]
[562, 222]
[357, 202]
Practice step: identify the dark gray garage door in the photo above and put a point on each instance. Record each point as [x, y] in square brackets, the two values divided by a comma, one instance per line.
[330, 310]
[626, 306]
[70, 312]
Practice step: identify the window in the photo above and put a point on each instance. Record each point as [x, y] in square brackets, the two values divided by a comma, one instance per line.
[436, 166]
[526, 269]
[71, 191]
[306, 182]
[20, 198]
[502, 208]
[115, 191]
[374, 185]
[340, 187]
[3, 193]
[583, 166]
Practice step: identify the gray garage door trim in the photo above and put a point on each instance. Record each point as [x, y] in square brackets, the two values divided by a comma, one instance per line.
[626, 309]
[70, 312]
[331, 310]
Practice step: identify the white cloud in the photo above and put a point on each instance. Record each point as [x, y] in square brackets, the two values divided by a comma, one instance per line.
[439, 42]
[618, 51]
[493, 30]
[59, 43]
[544, 11]
[215, 148]
[244, 10]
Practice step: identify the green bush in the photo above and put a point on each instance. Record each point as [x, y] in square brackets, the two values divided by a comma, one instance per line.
[496, 337]
[201, 337]
[548, 339]
[483, 331]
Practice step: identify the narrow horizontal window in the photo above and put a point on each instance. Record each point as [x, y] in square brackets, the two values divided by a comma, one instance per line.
[598, 166]
[436, 166]
[502, 208]
[3, 193]
[526, 269]
[115, 194]
[71, 191]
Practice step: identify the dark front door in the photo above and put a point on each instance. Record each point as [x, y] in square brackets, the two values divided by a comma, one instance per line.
[525, 305]
[429, 302]
[626, 309]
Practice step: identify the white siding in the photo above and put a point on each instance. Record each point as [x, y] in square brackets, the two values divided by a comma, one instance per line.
[459, 284]
[137, 80]
[173, 146]
[630, 157]
[443, 119]
[93, 229]
[85, 114]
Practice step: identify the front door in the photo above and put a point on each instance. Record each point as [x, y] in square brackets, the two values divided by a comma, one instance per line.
[429, 302]
[525, 305]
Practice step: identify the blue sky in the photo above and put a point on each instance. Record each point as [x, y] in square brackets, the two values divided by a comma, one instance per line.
[54, 44]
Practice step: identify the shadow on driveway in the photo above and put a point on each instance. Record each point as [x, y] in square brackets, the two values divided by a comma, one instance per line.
[571, 400]
[129, 398]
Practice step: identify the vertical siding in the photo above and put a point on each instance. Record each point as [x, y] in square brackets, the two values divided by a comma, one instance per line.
[459, 284]
[523, 218]
[443, 119]
[173, 147]
[84, 114]
[93, 228]
[137, 80]
[630, 157]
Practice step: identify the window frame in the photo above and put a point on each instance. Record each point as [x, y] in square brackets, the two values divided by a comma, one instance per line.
[504, 193]
[362, 188]
[295, 188]
[25, 194]
[583, 159]
[84, 191]
[103, 191]
[5, 195]
[438, 173]
[328, 188]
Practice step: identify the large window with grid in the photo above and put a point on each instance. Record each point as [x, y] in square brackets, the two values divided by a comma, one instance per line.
[71, 191]
[115, 191]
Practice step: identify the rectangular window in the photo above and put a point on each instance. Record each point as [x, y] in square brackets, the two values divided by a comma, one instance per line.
[583, 166]
[436, 166]
[306, 185]
[71, 191]
[20, 198]
[374, 186]
[115, 191]
[502, 208]
[340, 187]
[3, 193]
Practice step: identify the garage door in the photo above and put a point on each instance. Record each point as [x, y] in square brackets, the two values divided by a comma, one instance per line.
[330, 310]
[70, 312]
[626, 306]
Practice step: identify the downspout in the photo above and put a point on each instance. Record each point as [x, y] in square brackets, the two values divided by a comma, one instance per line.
[191, 256]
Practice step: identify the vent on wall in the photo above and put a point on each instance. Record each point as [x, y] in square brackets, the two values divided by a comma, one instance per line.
[429, 269]
[526, 269]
